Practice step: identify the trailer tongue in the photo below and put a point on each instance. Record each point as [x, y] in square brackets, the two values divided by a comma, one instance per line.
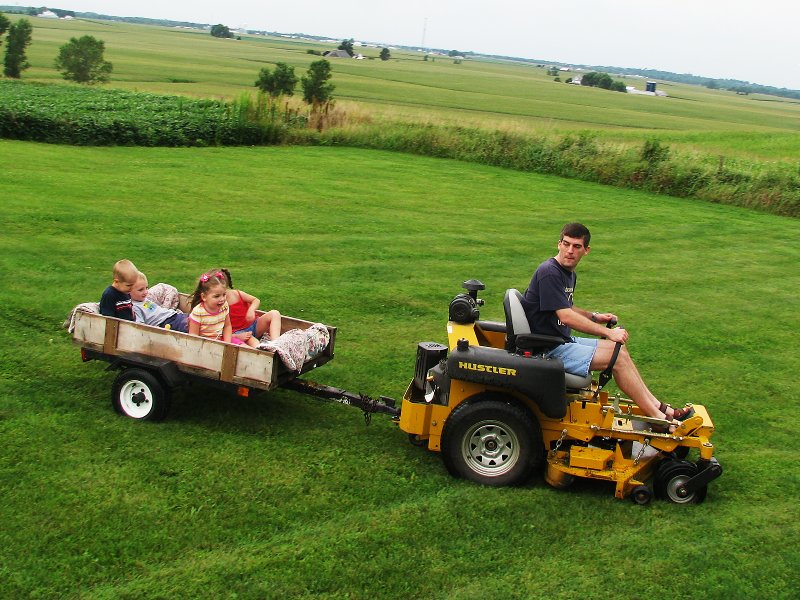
[368, 405]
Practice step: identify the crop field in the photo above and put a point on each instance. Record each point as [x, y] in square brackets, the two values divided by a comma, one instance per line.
[282, 496]
[499, 95]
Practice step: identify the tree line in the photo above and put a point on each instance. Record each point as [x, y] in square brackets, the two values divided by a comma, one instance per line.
[282, 81]
[17, 41]
[80, 59]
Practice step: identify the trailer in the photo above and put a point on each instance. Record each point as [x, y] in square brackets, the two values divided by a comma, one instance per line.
[152, 362]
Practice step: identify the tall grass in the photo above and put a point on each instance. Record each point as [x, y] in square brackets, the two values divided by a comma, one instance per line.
[74, 115]
[651, 166]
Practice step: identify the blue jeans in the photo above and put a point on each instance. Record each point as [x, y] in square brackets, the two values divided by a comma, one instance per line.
[251, 328]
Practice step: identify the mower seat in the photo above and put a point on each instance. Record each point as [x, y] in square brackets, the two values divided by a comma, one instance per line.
[520, 339]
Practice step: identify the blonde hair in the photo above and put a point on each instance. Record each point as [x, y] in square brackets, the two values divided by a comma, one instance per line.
[125, 270]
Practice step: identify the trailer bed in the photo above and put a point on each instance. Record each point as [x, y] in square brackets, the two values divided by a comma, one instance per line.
[235, 364]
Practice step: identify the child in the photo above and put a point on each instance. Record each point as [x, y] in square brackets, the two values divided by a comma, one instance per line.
[210, 313]
[243, 315]
[151, 313]
[116, 299]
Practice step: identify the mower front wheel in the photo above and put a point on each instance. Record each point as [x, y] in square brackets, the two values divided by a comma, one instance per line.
[669, 480]
[641, 495]
[492, 442]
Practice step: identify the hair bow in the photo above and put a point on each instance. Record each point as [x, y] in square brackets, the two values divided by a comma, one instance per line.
[205, 277]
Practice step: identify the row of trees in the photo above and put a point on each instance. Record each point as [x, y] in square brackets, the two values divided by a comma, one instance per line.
[17, 41]
[603, 80]
[317, 89]
[221, 31]
[80, 59]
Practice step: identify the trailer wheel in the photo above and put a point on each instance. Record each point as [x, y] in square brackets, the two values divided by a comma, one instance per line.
[139, 395]
[669, 480]
[491, 442]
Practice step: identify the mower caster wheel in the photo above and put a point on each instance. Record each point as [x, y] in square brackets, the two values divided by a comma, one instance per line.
[139, 395]
[417, 441]
[641, 495]
[669, 480]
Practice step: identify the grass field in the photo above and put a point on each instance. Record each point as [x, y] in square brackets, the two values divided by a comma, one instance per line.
[515, 97]
[284, 497]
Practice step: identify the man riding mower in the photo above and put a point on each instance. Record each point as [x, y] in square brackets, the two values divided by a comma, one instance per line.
[497, 408]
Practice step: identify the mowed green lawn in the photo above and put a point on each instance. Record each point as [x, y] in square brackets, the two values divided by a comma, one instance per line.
[514, 96]
[282, 496]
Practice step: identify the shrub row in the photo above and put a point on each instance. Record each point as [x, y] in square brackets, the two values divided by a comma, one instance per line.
[89, 116]
[651, 167]
[64, 114]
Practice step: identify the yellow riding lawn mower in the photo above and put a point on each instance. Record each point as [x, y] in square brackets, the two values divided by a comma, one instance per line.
[497, 409]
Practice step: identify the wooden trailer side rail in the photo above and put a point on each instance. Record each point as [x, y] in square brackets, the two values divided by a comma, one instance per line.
[212, 359]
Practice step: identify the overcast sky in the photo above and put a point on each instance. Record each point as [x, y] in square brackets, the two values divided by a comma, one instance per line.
[752, 40]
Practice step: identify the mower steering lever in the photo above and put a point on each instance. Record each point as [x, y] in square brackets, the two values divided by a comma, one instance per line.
[605, 376]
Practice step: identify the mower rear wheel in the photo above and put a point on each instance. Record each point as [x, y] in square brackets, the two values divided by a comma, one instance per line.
[669, 480]
[491, 442]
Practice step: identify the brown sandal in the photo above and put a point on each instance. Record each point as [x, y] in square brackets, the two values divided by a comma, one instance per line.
[678, 414]
[681, 414]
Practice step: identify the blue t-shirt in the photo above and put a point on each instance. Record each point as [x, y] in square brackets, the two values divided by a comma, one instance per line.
[114, 303]
[551, 289]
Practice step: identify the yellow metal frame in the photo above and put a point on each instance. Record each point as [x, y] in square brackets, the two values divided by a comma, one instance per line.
[586, 418]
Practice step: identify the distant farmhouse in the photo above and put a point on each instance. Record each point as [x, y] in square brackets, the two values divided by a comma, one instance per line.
[336, 54]
[342, 54]
[650, 90]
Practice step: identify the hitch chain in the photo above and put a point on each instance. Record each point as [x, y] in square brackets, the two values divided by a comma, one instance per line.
[558, 443]
[369, 408]
[645, 444]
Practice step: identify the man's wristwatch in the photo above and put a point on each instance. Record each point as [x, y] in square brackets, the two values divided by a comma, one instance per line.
[594, 317]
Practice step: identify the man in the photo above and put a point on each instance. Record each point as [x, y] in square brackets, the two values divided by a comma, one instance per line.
[550, 310]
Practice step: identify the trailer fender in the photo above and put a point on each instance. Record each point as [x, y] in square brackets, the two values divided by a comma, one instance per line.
[167, 370]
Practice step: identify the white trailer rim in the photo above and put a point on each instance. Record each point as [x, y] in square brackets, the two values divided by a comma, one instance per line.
[136, 399]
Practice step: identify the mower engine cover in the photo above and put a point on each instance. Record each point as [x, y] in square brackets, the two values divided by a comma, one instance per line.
[464, 309]
[541, 379]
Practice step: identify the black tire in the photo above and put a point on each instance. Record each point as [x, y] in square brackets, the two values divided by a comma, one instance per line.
[681, 452]
[491, 441]
[139, 395]
[670, 477]
[641, 495]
